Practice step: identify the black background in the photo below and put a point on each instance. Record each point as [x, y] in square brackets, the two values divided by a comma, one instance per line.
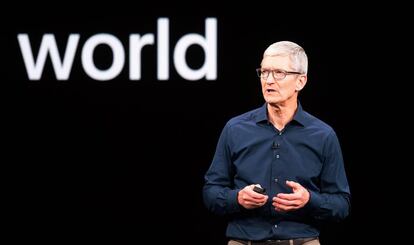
[123, 161]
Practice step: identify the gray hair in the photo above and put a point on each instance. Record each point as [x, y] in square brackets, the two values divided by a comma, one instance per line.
[295, 52]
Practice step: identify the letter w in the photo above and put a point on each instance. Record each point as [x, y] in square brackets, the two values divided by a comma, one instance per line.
[48, 45]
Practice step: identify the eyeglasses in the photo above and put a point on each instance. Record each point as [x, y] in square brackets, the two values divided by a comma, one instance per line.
[277, 74]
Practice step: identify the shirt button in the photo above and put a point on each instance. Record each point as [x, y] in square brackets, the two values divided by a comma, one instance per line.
[276, 180]
[280, 133]
[277, 156]
[275, 226]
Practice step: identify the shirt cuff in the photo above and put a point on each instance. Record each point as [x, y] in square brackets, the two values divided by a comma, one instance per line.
[315, 200]
[232, 203]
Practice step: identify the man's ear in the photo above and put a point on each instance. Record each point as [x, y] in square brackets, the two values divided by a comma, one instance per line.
[301, 82]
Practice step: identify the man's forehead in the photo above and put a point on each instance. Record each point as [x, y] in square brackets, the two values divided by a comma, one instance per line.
[276, 61]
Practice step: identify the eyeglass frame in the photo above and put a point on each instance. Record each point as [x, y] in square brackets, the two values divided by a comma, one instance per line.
[259, 71]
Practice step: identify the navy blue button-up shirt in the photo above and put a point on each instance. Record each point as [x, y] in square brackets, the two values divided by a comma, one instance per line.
[252, 151]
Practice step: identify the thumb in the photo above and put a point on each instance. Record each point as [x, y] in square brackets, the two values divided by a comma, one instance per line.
[294, 185]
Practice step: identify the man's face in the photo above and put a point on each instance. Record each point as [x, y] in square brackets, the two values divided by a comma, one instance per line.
[279, 91]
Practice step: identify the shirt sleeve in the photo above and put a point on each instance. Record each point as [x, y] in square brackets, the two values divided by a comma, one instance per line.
[332, 200]
[218, 193]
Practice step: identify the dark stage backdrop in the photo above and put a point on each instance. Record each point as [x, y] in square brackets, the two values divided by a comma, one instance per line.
[105, 158]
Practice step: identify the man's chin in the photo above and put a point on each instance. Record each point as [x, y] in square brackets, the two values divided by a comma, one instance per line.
[272, 101]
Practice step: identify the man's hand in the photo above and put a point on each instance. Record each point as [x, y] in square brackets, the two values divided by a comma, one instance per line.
[286, 202]
[250, 199]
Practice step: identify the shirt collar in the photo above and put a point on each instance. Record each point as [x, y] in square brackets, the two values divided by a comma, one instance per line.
[299, 117]
[261, 115]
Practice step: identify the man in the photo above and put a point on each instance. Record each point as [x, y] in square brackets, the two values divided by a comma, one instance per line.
[295, 158]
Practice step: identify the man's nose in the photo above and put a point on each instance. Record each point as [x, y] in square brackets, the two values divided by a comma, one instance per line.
[270, 79]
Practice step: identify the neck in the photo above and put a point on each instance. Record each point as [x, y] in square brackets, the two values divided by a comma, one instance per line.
[281, 114]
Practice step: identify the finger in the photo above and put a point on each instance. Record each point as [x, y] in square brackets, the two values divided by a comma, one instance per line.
[290, 196]
[278, 209]
[256, 195]
[294, 185]
[251, 203]
[253, 193]
[282, 207]
[261, 200]
[248, 193]
[256, 204]
[248, 198]
[285, 202]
